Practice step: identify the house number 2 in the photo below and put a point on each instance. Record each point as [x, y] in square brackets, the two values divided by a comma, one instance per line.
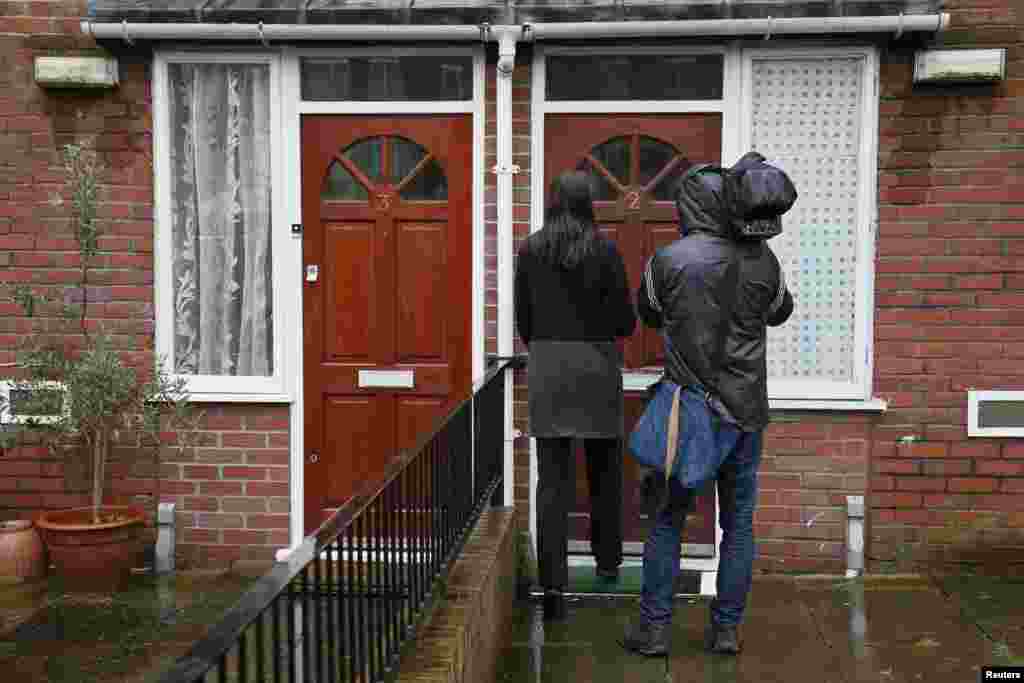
[633, 200]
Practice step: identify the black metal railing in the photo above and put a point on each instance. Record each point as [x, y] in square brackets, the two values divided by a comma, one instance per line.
[353, 593]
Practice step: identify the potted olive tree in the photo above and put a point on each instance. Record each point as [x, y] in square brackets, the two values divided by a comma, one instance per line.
[77, 394]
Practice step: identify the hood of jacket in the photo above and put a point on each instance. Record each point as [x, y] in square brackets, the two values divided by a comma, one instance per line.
[701, 202]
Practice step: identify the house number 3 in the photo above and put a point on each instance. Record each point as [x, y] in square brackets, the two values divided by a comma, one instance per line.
[384, 201]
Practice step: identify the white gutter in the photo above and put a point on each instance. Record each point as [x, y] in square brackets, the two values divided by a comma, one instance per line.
[766, 28]
[505, 169]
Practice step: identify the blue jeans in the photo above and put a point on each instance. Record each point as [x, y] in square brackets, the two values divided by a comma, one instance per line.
[737, 497]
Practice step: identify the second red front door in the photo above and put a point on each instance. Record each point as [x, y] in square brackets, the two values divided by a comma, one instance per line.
[635, 163]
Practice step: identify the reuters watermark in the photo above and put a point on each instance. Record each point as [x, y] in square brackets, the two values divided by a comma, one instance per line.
[1002, 673]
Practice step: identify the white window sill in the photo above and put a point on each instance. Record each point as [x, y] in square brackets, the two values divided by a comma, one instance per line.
[227, 397]
[639, 381]
[873, 405]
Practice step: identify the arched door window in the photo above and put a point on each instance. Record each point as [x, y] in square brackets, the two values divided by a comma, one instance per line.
[382, 167]
[634, 179]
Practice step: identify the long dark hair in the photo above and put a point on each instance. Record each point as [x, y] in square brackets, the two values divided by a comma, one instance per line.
[569, 235]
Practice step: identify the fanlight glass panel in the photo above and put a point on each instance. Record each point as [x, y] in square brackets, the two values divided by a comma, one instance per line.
[388, 79]
[340, 184]
[655, 160]
[385, 160]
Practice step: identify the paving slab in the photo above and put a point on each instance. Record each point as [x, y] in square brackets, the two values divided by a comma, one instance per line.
[781, 642]
[995, 604]
[582, 648]
[897, 632]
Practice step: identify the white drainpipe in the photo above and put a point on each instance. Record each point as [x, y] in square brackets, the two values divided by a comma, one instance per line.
[504, 169]
[765, 28]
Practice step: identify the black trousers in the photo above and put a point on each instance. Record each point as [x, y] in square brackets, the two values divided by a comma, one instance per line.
[556, 495]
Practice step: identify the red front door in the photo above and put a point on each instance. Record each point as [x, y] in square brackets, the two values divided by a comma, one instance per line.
[635, 163]
[387, 233]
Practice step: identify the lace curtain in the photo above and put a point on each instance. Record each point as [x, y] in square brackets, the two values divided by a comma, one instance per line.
[220, 219]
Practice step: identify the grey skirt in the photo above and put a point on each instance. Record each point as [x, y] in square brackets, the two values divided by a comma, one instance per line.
[575, 389]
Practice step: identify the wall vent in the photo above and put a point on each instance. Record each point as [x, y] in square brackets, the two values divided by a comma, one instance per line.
[995, 413]
[38, 402]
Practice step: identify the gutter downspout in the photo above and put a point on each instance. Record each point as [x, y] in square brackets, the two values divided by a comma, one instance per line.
[765, 28]
[505, 169]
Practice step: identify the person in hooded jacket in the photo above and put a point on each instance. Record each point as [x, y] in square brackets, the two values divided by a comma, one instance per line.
[572, 302]
[712, 295]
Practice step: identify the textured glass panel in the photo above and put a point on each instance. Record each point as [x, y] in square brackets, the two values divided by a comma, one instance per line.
[406, 78]
[667, 187]
[220, 198]
[634, 77]
[600, 188]
[995, 414]
[615, 156]
[807, 118]
[368, 156]
[405, 154]
[340, 185]
[654, 156]
[429, 183]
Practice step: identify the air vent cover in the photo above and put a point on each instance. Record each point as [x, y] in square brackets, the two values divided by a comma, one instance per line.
[995, 413]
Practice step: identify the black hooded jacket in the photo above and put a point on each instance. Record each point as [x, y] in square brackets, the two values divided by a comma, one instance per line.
[713, 296]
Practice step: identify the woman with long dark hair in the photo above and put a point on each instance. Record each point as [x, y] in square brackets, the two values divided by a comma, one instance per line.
[572, 302]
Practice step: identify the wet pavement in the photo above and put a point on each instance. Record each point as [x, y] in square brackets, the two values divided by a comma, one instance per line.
[131, 636]
[878, 630]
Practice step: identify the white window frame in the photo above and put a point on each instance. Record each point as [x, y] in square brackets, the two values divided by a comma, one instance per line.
[294, 107]
[6, 386]
[975, 397]
[222, 388]
[819, 394]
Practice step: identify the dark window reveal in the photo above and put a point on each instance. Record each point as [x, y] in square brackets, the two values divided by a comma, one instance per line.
[634, 77]
[1000, 414]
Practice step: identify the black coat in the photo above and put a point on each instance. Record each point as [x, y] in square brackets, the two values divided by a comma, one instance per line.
[570, 320]
[714, 297]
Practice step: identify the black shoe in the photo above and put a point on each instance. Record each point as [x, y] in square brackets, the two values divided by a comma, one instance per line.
[645, 638]
[722, 639]
[554, 605]
[607, 575]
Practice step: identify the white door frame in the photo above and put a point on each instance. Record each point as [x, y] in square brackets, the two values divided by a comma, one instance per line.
[728, 107]
[293, 110]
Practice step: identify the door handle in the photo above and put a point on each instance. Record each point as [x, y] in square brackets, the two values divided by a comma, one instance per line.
[314, 458]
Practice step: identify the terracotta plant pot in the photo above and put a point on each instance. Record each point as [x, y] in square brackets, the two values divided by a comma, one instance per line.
[22, 555]
[83, 550]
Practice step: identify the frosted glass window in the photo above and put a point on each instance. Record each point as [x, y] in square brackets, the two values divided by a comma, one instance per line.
[807, 115]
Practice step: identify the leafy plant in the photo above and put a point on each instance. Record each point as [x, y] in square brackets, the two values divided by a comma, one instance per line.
[102, 396]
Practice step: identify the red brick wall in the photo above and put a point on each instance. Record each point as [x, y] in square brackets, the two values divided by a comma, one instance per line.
[232, 491]
[948, 289]
[949, 292]
[521, 228]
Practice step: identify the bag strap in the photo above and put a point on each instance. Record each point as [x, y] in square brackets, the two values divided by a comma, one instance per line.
[672, 443]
